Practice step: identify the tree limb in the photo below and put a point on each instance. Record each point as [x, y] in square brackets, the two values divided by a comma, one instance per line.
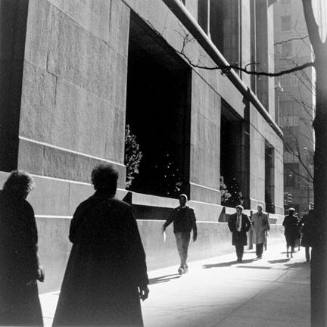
[226, 68]
[313, 28]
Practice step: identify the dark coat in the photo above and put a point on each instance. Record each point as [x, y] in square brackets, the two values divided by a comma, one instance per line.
[19, 300]
[307, 229]
[105, 268]
[239, 238]
[292, 229]
[183, 219]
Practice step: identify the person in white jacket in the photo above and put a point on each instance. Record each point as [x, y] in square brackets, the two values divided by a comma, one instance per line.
[260, 228]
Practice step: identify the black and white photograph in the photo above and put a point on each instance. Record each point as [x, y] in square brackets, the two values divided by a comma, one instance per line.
[163, 163]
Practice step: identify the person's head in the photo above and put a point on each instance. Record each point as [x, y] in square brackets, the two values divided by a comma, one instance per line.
[19, 184]
[183, 199]
[104, 178]
[291, 211]
[239, 209]
[259, 208]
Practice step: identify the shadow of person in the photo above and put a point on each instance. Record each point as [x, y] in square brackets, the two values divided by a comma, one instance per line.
[226, 264]
[163, 279]
[296, 264]
[279, 261]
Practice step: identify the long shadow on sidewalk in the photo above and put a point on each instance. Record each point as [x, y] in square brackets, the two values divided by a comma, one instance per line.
[226, 264]
[279, 261]
[163, 279]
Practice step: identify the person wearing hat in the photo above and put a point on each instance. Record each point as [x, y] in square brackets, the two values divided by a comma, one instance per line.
[239, 224]
[184, 221]
[260, 229]
[291, 225]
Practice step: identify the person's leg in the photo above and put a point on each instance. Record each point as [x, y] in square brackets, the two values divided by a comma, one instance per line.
[239, 252]
[179, 243]
[185, 244]
[259, 250]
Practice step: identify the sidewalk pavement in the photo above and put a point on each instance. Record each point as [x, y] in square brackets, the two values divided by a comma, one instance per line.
[218, 292]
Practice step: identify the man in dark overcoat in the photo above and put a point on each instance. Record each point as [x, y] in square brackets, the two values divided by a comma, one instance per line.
[106, 274]
[239, 224]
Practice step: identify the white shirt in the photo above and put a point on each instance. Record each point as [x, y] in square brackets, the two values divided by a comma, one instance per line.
[239, 222]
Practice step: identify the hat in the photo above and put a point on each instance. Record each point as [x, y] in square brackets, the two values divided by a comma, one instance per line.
[239, 207]
[291, 209]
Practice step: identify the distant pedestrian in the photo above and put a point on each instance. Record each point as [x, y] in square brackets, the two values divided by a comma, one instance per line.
[239, 224]
[184, 221]
[106, 273]
[260, 229]
[307, 233]
[291, 225]
[19, 263]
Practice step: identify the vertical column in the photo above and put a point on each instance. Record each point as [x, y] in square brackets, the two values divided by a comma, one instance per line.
[13, 15]
[261, 8]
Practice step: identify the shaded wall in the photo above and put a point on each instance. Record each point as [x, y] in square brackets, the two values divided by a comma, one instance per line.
[13, 15]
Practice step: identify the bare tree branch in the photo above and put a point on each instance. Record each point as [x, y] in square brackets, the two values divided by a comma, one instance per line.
[313, 28]
[226, 68]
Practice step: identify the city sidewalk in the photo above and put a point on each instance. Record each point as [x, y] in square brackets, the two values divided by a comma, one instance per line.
[218, 292]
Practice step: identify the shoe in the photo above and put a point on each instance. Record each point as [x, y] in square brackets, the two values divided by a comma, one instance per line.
[259, 257]
[181, 270]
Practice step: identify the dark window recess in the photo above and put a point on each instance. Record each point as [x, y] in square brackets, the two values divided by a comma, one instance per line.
[269, 178]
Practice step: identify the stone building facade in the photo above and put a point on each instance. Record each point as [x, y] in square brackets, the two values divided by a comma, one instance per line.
[75, 72]
[295, 102]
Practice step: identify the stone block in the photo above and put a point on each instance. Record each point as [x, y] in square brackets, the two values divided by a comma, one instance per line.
[37, 104]
[94, 15]
[78, 57]
[50, 197]
[38, 32]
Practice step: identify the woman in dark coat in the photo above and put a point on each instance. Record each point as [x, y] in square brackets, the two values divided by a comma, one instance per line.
[106, 273]
[19, 268]
[291, 225]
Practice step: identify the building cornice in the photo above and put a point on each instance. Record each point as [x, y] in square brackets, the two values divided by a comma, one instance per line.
[178, 8]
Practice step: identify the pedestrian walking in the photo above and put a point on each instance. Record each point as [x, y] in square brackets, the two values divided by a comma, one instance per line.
[260, 229]
[307, 233]
[291, 225]
[184, 221]
[106, 274]
[19, 263]
[239, 224]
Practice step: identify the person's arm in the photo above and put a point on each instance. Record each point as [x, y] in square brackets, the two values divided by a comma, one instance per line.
[247, 223]
[168, 221]
[194, 227]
